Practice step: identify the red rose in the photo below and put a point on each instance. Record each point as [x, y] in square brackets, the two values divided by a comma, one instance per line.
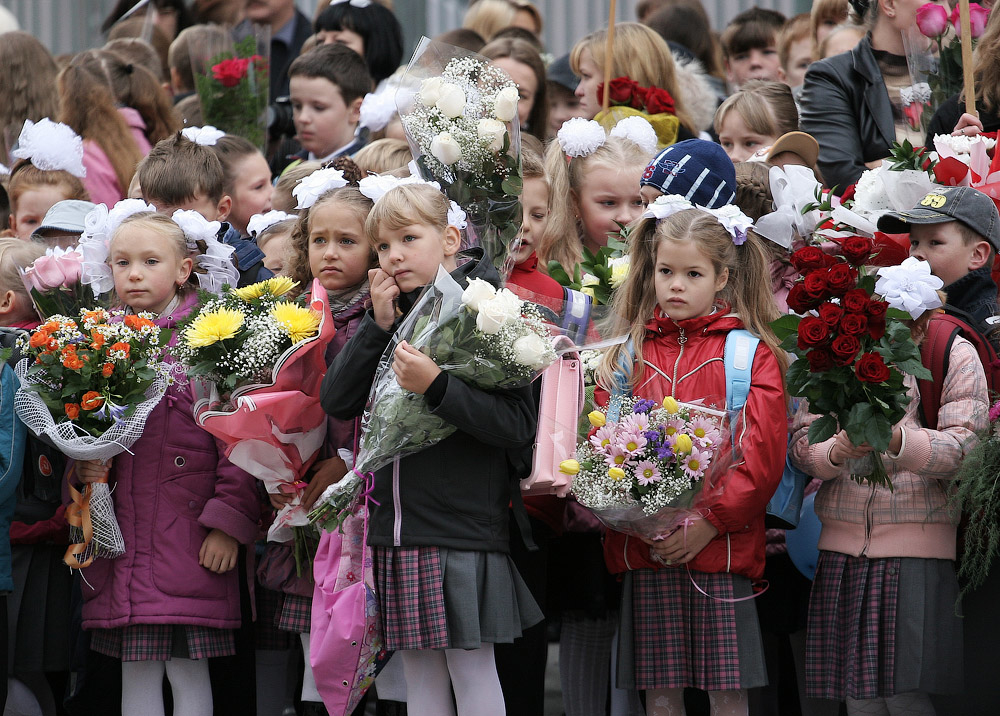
[853, 324]
[857, 250]
[848, 192]
[820, 360]
[807, 258]
[813, 332]
[872, 369]
[230, 72]
[638, 97]
[621, 91]
[659, 101]
[876, 309]
[855, 301]
[831, 313]
[844, 349]
[815, 283]
[840, 278]
[800, 301]
[876, 328]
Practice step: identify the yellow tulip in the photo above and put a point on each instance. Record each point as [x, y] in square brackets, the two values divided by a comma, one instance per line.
[683, 444]
[569, 467]
[670, 404]
[616, 473]
[597, 418]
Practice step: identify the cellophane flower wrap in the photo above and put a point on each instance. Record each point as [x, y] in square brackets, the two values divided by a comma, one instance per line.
[53, 282]
[88, 383]
[646, 467]
[233, 84]
[853, 349]
[486, 337]
[630, 99]
[600, 272]
[463, 130]
[256, 361]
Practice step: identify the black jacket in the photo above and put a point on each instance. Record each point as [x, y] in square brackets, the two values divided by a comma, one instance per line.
[456, 493]
[975, 294]
[846, 107]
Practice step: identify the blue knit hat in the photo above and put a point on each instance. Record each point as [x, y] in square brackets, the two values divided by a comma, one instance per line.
[699, 171]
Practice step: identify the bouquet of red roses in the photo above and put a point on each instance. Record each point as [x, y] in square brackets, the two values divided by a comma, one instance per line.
[855, 349]
[233, 88]
[629, 99]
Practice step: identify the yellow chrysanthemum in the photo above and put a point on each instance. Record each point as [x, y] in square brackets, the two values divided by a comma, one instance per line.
[213, 326]
[277, 286]
[301, 323]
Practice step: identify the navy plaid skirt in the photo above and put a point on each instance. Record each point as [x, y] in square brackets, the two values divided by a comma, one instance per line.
[160, 642]
[295, 614]
[266, 633]
[864, 642]
[671, 636]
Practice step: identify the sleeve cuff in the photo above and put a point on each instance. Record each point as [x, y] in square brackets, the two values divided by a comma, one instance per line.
[915, 452]
[435, 393]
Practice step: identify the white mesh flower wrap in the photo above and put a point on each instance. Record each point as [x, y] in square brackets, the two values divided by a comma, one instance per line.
[207, 136]
[215, 265]
[262, 222]
[910, 287]
[98, 227]
[638, 130]
[312, 187]
[579, 137]
[51, 146]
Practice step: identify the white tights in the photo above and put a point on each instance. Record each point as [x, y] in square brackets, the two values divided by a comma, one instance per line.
[309, 692]
[431, 675]
[912, 703]
[670, 702]
[142, 687]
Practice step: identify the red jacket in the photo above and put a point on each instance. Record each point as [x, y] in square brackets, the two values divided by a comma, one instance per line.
[691, 353]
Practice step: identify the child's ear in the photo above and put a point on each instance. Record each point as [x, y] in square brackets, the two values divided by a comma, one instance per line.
[184, 271]
[12, 223]
[8, 303]
[224, 207]
[981, 253]
[354, 111]
[451, 241]
[721, 280]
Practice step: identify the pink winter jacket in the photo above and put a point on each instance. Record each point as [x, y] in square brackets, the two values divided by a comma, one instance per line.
[168, 495]
[911, 520]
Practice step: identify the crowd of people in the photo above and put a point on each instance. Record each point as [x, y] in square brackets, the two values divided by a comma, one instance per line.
[475, 585]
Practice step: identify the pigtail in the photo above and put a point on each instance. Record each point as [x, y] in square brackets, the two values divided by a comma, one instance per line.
[753, 196]
[749, 293]
[561, 239]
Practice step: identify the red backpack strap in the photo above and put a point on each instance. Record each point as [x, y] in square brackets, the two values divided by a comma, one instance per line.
[935, 351]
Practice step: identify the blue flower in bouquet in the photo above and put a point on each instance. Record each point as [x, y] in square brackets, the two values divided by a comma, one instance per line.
[665, 452]
[644, 406]
[653, 437]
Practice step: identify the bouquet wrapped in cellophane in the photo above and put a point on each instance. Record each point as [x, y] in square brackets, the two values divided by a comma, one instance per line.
[486, 337]
[646, 467]
[53, 282]
[463, 130]
[256, 358]
[88, 383]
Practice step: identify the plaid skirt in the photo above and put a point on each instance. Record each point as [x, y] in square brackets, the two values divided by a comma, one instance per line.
[266, 634]
[295, 614]
[671, 636]
[864, 642]
[438, 598]
[161, 642]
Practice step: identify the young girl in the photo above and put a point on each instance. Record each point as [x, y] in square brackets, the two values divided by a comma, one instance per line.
[590, 195]
[439, 526]
[688, 286]
[878, 544]
[172, 600]
[275, 241]
[247, 180]
[369, 29]
[755, 117]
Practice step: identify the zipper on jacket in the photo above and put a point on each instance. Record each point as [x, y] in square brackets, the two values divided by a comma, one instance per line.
[681, 340]
[397, 508]
[868, 522]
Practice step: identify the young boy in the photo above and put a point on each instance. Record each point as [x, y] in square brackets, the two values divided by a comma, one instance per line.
[692, 164]
[750, 46]
[795, 50]
[327, 86]
[181, 174]
[957, 231]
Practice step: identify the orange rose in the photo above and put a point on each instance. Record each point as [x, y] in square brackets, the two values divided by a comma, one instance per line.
[93, 316]
[51, 345]
[91, 400]
[38, 339]
[72, 361]
[72, 410]
[125, 347]
[137, 322]
[107, 369]
[98, 339]
[50, 327]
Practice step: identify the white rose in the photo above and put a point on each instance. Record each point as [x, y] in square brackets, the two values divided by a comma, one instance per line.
[445, 149]
[619, 271]
[505, 107]
[430, 91]
[589, 279]
[497, 311]
[452, 100]
[492, 131]
[530, 350]
[477, 291]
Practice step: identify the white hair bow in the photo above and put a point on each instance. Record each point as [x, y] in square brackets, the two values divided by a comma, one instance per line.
[207, 136]
[213, 257]
[312, 187]
[51, 146]
[729, 216]
[261, 222]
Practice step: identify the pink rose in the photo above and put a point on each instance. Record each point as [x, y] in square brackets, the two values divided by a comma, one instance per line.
[978, 15]
[932, 20]
[49, 272]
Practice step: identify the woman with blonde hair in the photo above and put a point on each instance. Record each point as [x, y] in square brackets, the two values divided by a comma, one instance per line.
[29, 87]
[488, 17]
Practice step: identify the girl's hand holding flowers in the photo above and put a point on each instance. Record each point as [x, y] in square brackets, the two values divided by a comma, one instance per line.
[327, 473]
[414, 371]
[93, 470]
[218, 552]
[681, 546]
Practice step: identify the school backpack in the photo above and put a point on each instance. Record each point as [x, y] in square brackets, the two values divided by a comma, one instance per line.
[786, 504]
[935, 351]
[576, 318]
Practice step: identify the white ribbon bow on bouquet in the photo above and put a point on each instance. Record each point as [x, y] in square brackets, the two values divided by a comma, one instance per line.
[793, 188]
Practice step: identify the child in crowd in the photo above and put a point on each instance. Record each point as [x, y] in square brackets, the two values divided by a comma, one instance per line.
[63, 223]
[840, 39]
[173, 599]
[535, 215]
[181, 174]
[275, 241]
[247, 180]
[824, 16]
[689, 285]
[369, 29]
[383, 155]
[560, 86]
[795, 50]
[695, 169]
[447, 587]
[590, 196]
[523, 63]
[754, 118]
[750, 46]
[327, 85]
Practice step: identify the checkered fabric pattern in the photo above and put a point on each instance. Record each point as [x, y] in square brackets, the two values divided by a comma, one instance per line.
[409, 584]
[154, 642]
[295, 614]
[266, 633]
[850, 639]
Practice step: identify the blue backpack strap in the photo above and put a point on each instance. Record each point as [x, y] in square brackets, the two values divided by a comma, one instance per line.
[741, 346]
[576, 317]
[622, 380]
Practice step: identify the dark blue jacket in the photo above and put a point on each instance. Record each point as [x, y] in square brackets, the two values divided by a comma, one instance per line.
[13, 436]
[249, 258]
[975, 294]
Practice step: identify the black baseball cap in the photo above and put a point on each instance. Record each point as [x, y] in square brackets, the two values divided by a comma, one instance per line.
[952, 203]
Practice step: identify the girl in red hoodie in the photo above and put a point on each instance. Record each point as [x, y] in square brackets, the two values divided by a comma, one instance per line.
[692, 280]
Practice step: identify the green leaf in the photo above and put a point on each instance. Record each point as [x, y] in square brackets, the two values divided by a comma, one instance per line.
[785, 326]
[915, 368]
[823, 428]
